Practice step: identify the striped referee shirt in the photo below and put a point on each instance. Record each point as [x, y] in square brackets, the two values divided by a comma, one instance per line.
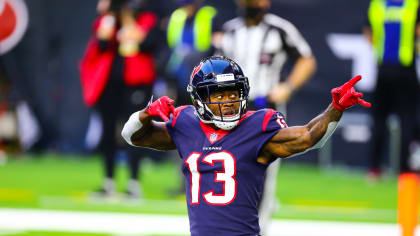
[262, 50]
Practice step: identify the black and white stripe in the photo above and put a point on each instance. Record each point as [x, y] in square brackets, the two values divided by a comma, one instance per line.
[263, 49]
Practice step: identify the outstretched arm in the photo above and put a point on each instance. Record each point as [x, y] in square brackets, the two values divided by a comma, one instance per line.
[141, 130]
[297, 139]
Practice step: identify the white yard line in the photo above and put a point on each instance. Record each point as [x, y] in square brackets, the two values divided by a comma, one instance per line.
[11, 232]
[328, 228]
[126, 224]
[92, 222]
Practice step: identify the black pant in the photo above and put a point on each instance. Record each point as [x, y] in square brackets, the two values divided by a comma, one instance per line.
[115, 105]
[397, 92]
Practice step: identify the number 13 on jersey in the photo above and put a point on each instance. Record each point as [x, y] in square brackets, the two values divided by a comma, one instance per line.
[227, 177]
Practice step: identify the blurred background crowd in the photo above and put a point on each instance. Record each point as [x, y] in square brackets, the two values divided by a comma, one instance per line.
[71, 72]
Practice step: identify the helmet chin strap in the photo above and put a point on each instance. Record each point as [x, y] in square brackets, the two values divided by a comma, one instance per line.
[225, 125]
[220, 124]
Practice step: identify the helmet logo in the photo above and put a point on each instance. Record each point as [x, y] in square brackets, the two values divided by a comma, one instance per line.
[196, 69]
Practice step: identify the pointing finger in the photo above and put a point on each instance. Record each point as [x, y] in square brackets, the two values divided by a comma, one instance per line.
[352, 82]
[359, 95]
[363, 103]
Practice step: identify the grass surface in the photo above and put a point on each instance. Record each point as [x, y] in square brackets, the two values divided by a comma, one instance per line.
[44, 233]
[304, 192]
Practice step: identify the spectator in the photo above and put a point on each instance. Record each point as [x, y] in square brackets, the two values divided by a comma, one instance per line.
[117, 75]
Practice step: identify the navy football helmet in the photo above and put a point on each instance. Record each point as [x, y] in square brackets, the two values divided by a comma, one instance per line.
[218, 73]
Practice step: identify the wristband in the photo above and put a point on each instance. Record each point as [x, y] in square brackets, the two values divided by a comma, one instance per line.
[338, 107]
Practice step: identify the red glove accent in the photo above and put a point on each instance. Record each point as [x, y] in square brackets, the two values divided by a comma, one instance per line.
[161, 107]
[346, 96]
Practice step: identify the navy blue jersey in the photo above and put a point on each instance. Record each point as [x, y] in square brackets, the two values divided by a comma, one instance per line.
[223, 179]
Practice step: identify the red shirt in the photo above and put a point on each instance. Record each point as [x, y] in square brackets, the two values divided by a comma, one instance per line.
[95, 66]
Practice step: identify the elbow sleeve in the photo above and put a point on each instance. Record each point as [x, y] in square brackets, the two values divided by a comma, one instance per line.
[332, 126]
[130, 127]
[330, 130]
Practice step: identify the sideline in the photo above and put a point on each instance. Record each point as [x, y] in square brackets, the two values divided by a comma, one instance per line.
[143, 224]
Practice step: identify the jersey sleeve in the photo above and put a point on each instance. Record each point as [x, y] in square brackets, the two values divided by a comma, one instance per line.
[169, 127]
[171, 123]
[273, 122]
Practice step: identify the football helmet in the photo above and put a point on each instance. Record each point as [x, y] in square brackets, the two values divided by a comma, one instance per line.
[214, 74]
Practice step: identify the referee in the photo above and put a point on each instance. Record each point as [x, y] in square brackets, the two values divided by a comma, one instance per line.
[262, 43]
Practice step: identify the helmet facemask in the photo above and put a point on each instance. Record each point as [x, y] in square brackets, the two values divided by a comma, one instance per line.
[201, 99]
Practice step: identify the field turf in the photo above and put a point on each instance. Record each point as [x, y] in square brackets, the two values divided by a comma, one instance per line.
[304, 192]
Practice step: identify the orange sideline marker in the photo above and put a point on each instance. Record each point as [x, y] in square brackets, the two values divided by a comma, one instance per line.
[408, 195]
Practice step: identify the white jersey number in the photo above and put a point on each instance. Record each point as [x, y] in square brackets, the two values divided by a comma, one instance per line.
[227, 177]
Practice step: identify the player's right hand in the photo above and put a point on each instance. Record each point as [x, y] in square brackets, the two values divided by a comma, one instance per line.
[162, 107]
[346, 96]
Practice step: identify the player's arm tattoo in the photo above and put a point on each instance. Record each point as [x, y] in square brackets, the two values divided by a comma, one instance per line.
[298, 139]
[151, 134]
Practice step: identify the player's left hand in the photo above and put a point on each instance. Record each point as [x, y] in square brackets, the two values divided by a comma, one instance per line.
[346, 96]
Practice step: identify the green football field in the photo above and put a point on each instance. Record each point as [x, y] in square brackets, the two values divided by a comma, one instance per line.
[304, 192]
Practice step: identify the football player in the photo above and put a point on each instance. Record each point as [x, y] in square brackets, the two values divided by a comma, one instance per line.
[225, 148]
